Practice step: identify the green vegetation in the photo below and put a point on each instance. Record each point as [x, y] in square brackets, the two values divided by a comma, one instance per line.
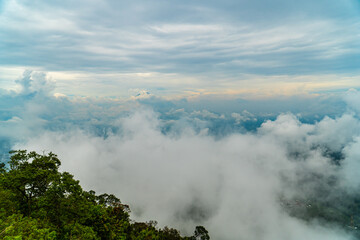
[343, 212]
[39, 202]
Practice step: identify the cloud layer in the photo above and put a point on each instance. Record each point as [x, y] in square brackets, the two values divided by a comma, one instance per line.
[202, 162]
[183, 46]
[232, 185]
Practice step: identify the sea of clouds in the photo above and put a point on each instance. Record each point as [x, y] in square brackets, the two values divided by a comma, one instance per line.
[179, 172]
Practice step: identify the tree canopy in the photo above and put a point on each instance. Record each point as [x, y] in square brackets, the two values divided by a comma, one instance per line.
[37, 201]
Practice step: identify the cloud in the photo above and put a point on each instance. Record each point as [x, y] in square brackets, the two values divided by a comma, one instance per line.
[191, 162]
[38, 103]
[140, 93]
[35, 83]
[207, 114]
[352, 98]
[231, 185]
[186, 45]
[244, 116]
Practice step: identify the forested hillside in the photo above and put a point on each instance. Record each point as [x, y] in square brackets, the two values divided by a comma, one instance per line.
[37, 201]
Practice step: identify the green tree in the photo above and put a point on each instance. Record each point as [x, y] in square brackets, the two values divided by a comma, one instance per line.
[39, 202]
[29, 178]
[201, 233]
[18, 227]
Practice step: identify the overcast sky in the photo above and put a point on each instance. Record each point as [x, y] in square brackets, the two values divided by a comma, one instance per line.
[183, 48]
[219, 107]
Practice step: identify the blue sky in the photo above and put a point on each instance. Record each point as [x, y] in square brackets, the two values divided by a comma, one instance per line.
[253, 49]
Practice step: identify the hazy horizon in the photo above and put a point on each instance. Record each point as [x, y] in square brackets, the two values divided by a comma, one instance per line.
[192, 112]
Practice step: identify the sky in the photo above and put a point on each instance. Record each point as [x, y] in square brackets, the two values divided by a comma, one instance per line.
[183, 48]
[209, 113]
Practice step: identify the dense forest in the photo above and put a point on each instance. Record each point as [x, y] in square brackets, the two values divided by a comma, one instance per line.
[37, 201]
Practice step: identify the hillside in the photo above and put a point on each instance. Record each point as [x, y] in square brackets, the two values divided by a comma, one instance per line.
[37, 201]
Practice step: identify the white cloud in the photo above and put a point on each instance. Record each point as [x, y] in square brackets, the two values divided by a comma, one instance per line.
[352, 98]
[244, 116]
[192, 28]
[231, 185]
[185, 47]
[207, 114]
[186, 177]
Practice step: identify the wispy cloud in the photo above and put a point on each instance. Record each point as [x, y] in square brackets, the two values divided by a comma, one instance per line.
[190, 40]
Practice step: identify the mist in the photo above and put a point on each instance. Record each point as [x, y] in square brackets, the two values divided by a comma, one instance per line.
[184, 166]
[233, 185]
[240, 116]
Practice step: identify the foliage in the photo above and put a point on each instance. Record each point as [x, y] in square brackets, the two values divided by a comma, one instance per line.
[18, 227]
[201, 233]
[37, 201]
